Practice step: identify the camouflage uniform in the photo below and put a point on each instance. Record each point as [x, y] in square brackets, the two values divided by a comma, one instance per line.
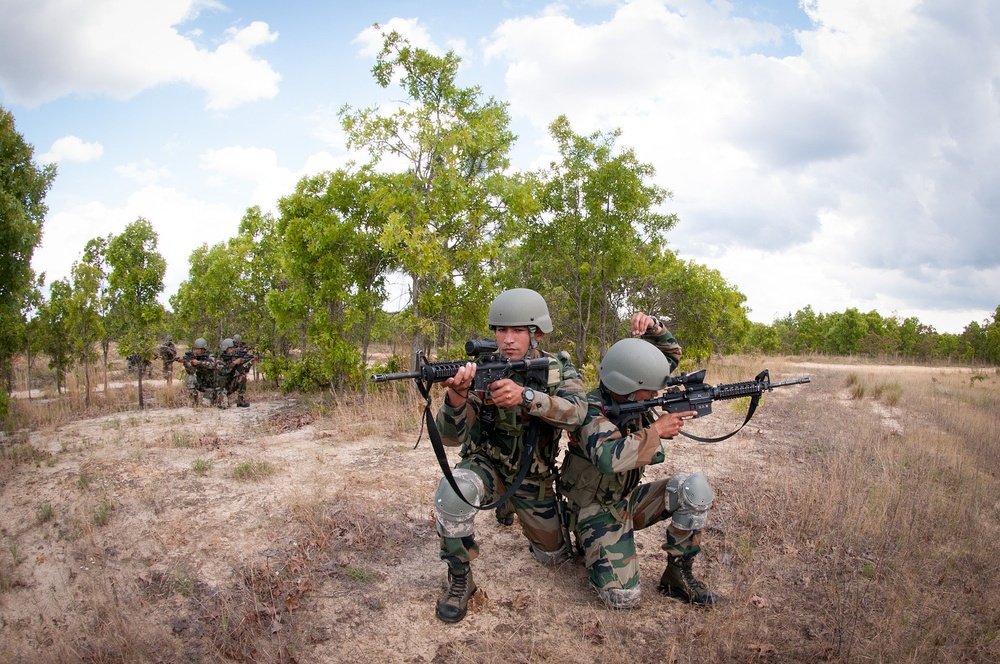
[492, 440]
[493, 429]
[234, 374]
[203, 375]
[600, 478]
[167, 353]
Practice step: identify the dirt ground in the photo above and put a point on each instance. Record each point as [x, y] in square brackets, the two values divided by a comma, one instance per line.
[273, 533]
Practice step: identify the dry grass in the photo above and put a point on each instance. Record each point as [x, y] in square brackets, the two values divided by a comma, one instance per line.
[855, 521]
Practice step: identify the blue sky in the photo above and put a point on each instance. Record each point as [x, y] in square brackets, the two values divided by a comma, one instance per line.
[833, 153]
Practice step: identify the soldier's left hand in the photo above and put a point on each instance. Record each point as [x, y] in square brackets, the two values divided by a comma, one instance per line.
[506, 393]
[642, 323]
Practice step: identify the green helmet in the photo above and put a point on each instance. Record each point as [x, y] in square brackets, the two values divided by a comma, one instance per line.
[169, 339]
[237, 338]
[634, 364]
[520, 306]
[201, 343]
[226, 344]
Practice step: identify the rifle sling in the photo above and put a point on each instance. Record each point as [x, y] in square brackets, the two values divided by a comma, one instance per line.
[754, 400]
[527, 456]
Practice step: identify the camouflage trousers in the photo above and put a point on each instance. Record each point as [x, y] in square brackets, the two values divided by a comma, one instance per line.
[538, 515]
[606, 533]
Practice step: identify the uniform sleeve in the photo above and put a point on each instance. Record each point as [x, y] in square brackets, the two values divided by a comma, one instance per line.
[566, 408]
[669, 346]
[455, 424]
[603, 444]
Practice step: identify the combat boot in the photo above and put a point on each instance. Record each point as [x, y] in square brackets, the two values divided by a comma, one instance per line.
[241, 402]
[678, 581]
[455, 601]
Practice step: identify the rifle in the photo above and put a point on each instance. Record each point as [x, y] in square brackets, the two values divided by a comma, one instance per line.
[698, 397]
[490, 367]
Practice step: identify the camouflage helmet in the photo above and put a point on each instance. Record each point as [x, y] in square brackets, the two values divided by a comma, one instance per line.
[201, 343]
[227, 344]
[237, 338]
[169, 339]
[520, 306]
[634, 364]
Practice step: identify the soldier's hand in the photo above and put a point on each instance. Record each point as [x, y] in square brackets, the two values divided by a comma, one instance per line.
[459, 384]
[506, 393]
[670, 424]
[642, 323]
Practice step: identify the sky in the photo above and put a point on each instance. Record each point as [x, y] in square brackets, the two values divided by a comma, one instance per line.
[823, 153]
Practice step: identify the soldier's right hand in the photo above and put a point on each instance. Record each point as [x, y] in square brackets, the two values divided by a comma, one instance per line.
[670, 424]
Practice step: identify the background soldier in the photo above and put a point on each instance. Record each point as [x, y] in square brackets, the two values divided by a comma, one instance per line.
[203, 373]
[492, 428]
[601, 472]
[236, 365]
[167, 352]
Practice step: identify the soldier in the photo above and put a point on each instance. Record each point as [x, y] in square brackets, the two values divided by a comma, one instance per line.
[492, 428]
[203, 373]
[167, 353]
[601, 474]
[236, 365]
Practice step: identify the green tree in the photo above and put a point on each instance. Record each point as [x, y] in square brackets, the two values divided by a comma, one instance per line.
[596, 233]
[706, 313]
[85, 315]
[95, 258]
[206, 301]
[56, 341]
[447, 206]
[23, 186]
[335, 267]
[135, 281]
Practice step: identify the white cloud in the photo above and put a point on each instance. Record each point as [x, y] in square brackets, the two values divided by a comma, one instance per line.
[865, 161]
[122, 47]
[71, 148]
[143, 173]
[370, 39]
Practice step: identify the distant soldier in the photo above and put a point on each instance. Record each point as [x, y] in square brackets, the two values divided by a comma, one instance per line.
[236, 365]
[203, 373]
[136, 363]
[167, 353]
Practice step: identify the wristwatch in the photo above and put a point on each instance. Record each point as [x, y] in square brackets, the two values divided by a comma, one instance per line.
[527, 396]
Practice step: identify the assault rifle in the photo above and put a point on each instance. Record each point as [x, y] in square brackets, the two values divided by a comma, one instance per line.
[490, 367]
[698, 397]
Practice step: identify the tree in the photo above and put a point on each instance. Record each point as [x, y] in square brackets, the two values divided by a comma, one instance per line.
[95, 258]
[706, 312]
[598, 227]
[335, 268]
[85, 315]
[135, 281]
[23, 187]
[448, 206]
[56, 339]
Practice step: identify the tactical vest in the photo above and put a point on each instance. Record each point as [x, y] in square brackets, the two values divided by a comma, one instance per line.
[582, 483]
[499, 433]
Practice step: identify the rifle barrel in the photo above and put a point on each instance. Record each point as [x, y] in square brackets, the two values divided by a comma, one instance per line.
[383, 377]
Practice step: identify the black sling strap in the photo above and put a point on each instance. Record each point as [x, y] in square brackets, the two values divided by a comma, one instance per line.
[527, 456]
[754, 400]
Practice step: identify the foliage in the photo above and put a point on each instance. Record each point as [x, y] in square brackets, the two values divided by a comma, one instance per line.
[448, 203]
[870, 334]
[135, 281]
[23, 186]
[54, 318]
[597, 227]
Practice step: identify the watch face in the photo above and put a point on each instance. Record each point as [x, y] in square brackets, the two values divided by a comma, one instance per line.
[529, 395]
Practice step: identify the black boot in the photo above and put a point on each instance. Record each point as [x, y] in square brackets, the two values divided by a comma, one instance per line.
[242, 402]
[455, 601]
[678, 581]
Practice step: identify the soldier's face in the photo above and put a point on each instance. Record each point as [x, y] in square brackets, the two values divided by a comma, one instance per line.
[514, 342]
